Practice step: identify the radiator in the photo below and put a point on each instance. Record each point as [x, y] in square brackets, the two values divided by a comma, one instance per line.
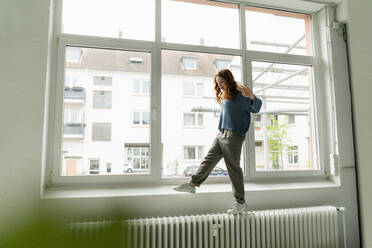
[278, 228]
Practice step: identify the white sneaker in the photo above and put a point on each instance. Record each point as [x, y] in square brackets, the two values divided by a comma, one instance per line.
[185, 187]
[237, 208]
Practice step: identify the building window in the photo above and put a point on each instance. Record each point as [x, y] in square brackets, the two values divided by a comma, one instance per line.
[73, 54]
[72, 115]
[141, 118]
[222, 64]
[141, 86]
[293, 155]
[189, 63]
[291, 119]
[101, 80]
[93, 166]
[138, 156]
[72, 81]
[193, 120]
[108, 167]
[193, 152]
[102, 99]
[101, 131]
[193, 89]
[136, 60]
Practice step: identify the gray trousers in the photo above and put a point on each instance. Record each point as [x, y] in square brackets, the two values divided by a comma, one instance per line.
[228, 145]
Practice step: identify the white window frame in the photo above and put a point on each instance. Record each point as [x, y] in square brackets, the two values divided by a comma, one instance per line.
[93, 98]
[198, 156]
[194, 59]
[141, 82]
[324, 144]
[141, 118]
[195, 89]
[196, 116]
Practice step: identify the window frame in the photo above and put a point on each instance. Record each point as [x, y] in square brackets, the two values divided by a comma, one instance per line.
[154, 48]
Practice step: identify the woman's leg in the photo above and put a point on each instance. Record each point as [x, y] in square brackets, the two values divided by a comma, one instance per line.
[231, 147]
[210, 161]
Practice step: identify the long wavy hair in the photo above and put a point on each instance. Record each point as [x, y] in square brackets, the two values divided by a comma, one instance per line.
[231, 89]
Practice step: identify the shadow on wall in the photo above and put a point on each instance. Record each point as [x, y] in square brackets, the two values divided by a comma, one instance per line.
[46, 229]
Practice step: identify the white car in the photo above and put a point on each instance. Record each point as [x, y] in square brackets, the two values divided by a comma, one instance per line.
[128, 167]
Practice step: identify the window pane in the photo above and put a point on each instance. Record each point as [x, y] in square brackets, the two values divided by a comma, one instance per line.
[189, 119]
[200, 119]
[110, 18]
[101, 132]
[286, 93]
[90, 132]
[188, 89]
[146, 86]
[136, 118]
[190, 153]
[145, 118]
[278, 31]
[200, 23]
[137, 86]
[102, 99]
[179, 111]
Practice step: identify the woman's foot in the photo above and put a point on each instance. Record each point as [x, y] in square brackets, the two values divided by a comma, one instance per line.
[185, 187]
[237, 208]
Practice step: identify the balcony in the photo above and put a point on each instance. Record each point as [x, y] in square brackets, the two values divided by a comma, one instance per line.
[73, 130]
[74, 95]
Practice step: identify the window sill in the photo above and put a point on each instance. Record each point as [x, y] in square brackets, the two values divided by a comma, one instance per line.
[98, 191]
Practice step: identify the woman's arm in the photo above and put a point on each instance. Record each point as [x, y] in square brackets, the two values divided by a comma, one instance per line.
[255, 103]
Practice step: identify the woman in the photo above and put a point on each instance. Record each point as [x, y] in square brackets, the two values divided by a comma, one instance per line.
[237, 103]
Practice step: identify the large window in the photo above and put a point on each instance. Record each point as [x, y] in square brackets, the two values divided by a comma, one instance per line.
[134, 88]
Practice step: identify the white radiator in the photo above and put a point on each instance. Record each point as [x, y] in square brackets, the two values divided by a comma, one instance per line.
[278, 228]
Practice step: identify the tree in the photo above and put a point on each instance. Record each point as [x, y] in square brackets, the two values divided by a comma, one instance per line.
[278, 141]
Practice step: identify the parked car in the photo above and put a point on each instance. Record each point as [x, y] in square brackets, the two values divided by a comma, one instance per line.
[217, 171]
[128, 167]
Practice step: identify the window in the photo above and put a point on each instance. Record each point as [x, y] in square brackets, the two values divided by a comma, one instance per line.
[73, 54]
[138, 157]
[189, 63]
[193, 89]
[101, 131]
[136, 60]
[185, 22]
[193, 152]
[141, 118]
[278, 31]
[198, 108]
[94, 167]
[72, 115]
[141, 86]
[118, 19]
[293, 155]
[157, 131]
[222, 64]
[291, 119]
[101, 80]
[72, 81]
[108, 167]
[286, 90]
[193, 120]
[102, 99]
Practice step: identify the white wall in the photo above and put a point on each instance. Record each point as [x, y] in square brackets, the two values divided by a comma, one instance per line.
[360, 53]
[23, 64]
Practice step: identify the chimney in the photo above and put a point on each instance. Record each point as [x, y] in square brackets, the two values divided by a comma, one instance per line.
[201, 41]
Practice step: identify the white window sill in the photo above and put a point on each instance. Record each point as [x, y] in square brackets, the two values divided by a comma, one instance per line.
[98, 191]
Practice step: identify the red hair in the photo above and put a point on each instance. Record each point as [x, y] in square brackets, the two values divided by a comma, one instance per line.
[231, 86]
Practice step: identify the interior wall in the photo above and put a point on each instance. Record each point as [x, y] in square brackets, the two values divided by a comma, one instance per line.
[23, 63]
[360, 54]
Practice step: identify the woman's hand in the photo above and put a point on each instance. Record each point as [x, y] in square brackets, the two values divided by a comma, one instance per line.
[246, 92]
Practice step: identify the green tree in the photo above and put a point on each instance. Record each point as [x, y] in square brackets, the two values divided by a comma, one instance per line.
[277, 141]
